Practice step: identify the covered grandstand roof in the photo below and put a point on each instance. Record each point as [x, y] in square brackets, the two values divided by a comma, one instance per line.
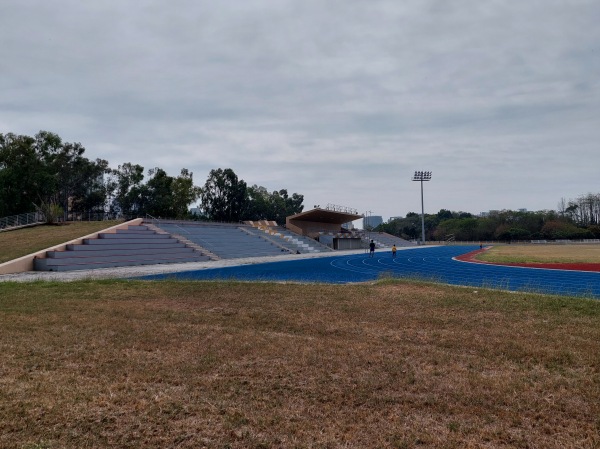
[325, 216]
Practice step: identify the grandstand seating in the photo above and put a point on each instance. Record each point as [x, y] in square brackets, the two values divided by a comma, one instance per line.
[164, 241]
[225, 241]
[294, 242]
[136, 245]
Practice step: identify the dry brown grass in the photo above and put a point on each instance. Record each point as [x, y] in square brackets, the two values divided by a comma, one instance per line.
[234, 365]
[20, 242]
[543, 254]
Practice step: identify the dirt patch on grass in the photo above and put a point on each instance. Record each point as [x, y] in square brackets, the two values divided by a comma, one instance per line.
[207, 364]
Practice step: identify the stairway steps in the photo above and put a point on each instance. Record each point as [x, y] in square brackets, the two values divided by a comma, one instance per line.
[85, 252]
[88, 264]
[133, 236]
[138, 241]
[136, 245]
[91, 248]
[114, 258]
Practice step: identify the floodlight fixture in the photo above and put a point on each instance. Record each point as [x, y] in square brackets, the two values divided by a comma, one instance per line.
[422, 176]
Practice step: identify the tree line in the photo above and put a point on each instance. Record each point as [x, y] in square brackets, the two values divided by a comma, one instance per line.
[53, 176]
[577, 219]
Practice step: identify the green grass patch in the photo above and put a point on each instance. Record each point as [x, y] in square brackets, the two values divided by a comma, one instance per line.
[21, 242]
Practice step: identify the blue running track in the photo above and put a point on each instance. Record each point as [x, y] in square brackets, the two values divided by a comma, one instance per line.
[430, 263]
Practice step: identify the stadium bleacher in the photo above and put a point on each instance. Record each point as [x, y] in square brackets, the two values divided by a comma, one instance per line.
[296, 243]
[224, 240]
[171, 241]
[136, 245]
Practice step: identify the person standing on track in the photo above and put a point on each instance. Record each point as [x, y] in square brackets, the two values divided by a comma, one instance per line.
[394, 251]
[371, 248]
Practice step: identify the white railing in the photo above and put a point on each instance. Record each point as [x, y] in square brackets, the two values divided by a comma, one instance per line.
[16, 221]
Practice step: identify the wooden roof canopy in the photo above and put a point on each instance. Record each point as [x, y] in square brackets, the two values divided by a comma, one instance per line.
[325, 216]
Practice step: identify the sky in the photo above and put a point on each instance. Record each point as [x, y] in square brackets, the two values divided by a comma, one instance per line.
[338, 100]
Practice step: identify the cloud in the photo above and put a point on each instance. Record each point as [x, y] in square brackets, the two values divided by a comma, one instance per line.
[340, 101]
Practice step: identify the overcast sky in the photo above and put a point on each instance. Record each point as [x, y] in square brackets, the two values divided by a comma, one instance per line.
[340, 101]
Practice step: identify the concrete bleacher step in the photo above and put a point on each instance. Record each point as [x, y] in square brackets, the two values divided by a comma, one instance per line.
[133, 236]
[86, 252]
[53, 261]
[224, 241]
[92, 263]
[295, 243]
[162, 240]
[125, 246]
[136, 245]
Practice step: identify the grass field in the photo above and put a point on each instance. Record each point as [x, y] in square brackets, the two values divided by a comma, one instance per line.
[20, 242]
[234, 365]
[542, 254]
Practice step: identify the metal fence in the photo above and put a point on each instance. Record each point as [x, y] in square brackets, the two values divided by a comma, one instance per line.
[16, 221]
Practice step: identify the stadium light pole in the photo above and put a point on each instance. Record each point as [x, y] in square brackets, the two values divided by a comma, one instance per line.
[422, 176]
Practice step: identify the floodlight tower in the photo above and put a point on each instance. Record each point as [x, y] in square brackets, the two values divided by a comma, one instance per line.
[422, 176]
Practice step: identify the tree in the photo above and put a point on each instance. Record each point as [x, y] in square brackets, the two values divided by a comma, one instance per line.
[408, 228]
[93, 195]
[44, 170]
[184, 193]
[284, 206]
[161, 196]
[156, 195]
[224, 197]
[444, 214]
[22, 175]
[276, 206]
[259, 204]
[557, 230]
[127, 179]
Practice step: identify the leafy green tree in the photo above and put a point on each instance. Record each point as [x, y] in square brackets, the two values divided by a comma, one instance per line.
[595, 230]
[22, 175]
[557, 230]
[408, 228]
[512, 234]
[224, 196]
[444, 214]
[161, 196]
[260, 206]
[459, 228]
[44, 169]
[276, 206]
[127, 179]
[156, 195]
[94, 197]
[283, 205]
[184, 193]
